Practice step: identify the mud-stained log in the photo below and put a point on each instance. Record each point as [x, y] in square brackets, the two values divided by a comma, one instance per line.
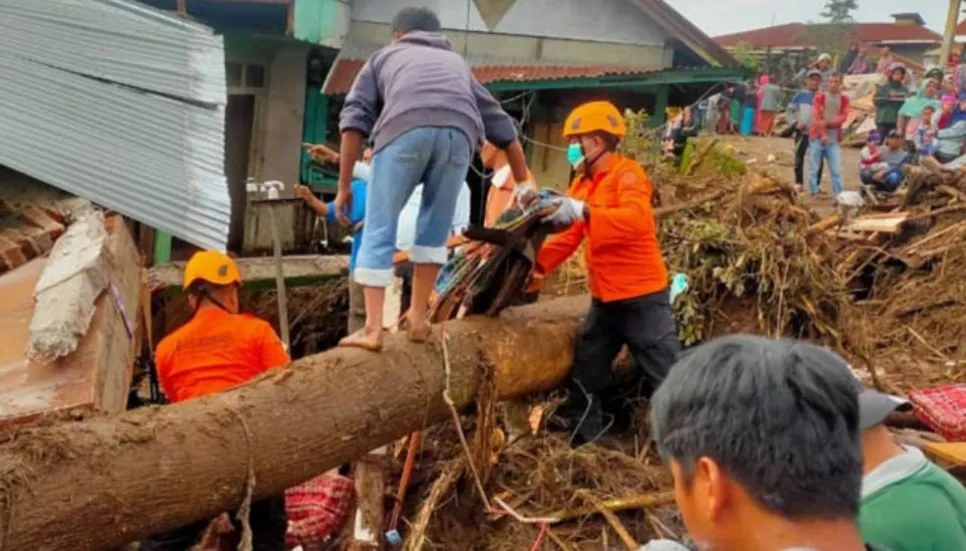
[100, 483]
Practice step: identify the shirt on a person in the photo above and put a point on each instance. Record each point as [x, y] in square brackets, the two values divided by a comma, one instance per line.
[910, 504]
[895, 158]
[406, 233]
[800, 108]
[828, 116]
[870, 156]
[215, 351]
[888, 101]
[356, 215]
[419, 81]
[771, 95]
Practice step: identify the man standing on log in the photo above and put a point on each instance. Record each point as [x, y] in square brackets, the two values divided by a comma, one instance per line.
[609, 204]
[216, 350]
[426, 114]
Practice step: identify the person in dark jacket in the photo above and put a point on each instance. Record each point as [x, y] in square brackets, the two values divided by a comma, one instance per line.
[889, 98]
[426, 115]
[845, 64]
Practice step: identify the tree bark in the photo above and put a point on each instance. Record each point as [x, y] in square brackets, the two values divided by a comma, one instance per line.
[103, 482]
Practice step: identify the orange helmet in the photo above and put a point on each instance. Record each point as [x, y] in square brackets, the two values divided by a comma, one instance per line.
[215, 267]
[596, 116]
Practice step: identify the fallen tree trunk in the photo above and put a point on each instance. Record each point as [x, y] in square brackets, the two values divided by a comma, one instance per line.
[103, 482]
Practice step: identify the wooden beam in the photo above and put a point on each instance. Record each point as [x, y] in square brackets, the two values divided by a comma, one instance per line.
[295, 269]
[952, 20]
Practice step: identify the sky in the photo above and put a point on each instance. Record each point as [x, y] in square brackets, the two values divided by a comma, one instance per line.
[742, 15]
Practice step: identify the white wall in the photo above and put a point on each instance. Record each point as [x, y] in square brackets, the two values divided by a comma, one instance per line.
[615, 21]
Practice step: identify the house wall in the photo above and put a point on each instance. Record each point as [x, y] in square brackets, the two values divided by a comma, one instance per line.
[616, 21]
[529, 48]
[275, 152]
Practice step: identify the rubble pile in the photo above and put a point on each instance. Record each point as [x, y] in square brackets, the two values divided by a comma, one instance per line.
[881, 284]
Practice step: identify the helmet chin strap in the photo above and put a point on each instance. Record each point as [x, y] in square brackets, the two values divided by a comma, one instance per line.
[205, 294]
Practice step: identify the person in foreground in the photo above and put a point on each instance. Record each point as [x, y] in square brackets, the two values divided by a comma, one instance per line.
[216, 350]
[762, 440]
[426, 115]
[609, 205]
[908, 503]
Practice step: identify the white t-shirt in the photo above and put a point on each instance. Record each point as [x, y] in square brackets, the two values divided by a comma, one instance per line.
[406, 231]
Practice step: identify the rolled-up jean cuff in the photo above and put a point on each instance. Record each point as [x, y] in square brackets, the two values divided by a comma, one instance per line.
[373, 278]
[428, 255]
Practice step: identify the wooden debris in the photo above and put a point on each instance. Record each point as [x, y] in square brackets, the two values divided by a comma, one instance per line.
[884, 223]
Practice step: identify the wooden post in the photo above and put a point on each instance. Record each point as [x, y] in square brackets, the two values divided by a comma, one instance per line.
[182, 8]
[659, 117]
[952, 19]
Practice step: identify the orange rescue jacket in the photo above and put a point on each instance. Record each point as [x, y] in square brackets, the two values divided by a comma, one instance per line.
[216, 351]
[623, 254]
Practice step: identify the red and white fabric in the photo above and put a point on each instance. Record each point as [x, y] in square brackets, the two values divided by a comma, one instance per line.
[317, 509]
[943, 409]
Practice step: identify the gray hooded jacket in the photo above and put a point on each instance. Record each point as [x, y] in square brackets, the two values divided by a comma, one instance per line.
[419, 81]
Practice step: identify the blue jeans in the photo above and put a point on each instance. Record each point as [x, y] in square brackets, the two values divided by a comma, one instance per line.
[439, 158]
[833, 156]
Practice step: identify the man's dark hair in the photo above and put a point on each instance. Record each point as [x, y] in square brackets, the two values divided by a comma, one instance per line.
[416, 19]
[780, 417]
[835, 74]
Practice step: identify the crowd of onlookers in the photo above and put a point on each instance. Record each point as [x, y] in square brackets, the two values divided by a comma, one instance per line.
[913, 120]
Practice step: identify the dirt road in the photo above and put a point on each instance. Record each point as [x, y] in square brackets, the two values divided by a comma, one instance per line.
[776, 155]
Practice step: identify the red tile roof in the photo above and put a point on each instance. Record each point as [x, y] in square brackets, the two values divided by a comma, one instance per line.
[344, 72]
[961, 28]
[797, 34]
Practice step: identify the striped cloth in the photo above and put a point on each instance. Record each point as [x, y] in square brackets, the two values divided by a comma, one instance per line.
[316, 510]
[943, 409]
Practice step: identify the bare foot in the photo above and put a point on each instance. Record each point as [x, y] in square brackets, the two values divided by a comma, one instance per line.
[415, 331]
[365, 339]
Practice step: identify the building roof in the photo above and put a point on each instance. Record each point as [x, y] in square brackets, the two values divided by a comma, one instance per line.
[961, 28]
[486, 69]
[489, 69]
[797, 34]
[686, 32]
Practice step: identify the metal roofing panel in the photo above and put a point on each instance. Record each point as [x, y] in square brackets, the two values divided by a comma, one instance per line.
[152, 153]
[118, 41]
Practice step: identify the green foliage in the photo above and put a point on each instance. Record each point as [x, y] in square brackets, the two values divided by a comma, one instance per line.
[744, 53]
[839, 12]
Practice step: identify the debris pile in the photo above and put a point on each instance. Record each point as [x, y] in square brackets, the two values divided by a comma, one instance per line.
[881, 284]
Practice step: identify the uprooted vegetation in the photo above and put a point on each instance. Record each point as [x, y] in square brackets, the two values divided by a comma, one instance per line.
[884, 287]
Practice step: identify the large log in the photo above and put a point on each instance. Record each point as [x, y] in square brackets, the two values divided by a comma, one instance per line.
[103, 482]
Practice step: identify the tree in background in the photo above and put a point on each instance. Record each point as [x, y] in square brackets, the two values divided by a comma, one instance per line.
[744, 53]
[839, 12]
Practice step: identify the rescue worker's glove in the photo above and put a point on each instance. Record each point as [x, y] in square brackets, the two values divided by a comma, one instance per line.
[525, 194]
[568, 211]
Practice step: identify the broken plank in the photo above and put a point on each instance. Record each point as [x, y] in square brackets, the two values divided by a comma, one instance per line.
[891, 223]
[260, 271]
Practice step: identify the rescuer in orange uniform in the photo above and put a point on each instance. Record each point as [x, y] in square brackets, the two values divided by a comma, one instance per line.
[609, 204]
[216, 350]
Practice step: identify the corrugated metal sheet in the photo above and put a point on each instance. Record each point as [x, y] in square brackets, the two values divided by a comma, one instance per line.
[121, 105]
[487, 69]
